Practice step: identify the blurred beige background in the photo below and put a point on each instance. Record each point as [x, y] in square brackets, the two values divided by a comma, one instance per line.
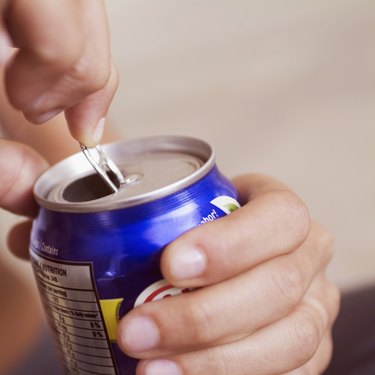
[279, 87]
[282, 87]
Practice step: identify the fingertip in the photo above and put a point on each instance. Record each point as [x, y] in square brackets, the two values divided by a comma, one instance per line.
[183, 263]
[159, 366]
[138, 334]
[97, 133]
[87, 134]
[200, 256]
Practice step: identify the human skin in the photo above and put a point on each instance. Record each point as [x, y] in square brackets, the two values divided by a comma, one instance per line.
[20, 317]
[262, 302]
[62, 62]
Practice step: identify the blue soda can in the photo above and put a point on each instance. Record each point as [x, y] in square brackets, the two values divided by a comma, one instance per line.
[95, 254]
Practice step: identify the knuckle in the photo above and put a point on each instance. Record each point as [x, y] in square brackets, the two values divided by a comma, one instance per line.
[298, 214]
[326, 356]
[325, 241]
[200, 321]
[335, 300]
[287, 282]
[114, 77]
[306, 336]
[61, 56]
[214, 360]
[217, 362]
[91, 77]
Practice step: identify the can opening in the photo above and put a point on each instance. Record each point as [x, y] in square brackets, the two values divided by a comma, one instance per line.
[155, 168]
[89, 188]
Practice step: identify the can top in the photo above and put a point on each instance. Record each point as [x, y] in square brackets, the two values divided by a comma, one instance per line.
[158, 166]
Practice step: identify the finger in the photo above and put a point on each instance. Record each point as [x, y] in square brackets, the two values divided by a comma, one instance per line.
[19, 238]
[85, 91]
[281, 347]
[36, 28]
[322, 357]
[320, 360]
[86, 120]
[274, 221]
[86, 88]
[20, 166]
[205, 317]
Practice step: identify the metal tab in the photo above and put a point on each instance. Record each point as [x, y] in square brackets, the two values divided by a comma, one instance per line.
[103, 166]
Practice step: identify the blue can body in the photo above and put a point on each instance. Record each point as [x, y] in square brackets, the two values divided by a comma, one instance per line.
[94, 267]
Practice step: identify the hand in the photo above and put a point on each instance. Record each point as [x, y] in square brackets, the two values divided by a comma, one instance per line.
[20, 166]
[265, 306]
[62, 62]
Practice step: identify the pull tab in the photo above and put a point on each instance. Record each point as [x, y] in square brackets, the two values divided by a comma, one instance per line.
[103, 166]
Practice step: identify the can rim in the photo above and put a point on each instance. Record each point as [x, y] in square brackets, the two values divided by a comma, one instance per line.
[173, 143]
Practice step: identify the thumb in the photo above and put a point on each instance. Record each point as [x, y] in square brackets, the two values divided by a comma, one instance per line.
[20, 166]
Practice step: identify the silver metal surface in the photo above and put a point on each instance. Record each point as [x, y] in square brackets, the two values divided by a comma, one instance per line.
[155, 167]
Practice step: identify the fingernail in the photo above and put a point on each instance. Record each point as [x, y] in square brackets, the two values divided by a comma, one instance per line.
[140, 334]
[187, 263]
[162, 367]
[47, 116]
[5, 47]
[98, 131]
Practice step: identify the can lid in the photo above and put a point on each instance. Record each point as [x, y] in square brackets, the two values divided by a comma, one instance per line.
[157, 166]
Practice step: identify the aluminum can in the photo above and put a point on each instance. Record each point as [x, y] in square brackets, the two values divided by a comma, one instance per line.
[95, 254]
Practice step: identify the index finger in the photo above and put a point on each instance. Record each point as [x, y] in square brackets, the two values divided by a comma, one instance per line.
[274, 221]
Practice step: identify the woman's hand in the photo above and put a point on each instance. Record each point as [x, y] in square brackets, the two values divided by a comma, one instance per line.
[62, 62]
[263, 303]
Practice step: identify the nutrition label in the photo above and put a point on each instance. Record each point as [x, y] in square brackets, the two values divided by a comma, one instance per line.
[73, 308]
